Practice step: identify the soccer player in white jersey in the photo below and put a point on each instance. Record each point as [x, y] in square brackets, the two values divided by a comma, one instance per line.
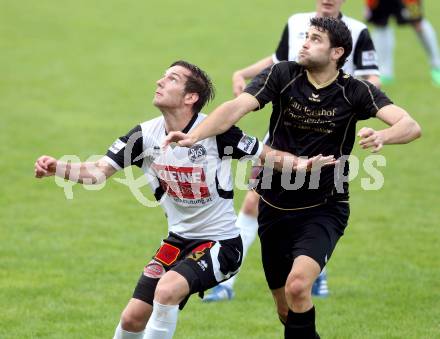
[361, 63]
[194, 187]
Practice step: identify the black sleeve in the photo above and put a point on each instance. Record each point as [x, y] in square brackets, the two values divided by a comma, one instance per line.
[364, 54]
[127, 150]
[282, 52]
[266, 86]
[368, 100]
[236, 144]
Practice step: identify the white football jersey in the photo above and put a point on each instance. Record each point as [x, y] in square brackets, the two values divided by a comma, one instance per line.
[361, 61]
[194, 185]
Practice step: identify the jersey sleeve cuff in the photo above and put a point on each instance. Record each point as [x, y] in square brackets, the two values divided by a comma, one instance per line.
[259, 150]
[112, 163]
[366, 72]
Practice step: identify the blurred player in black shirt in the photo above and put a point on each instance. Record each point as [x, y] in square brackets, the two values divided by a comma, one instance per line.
[406, 12]
[315, 110]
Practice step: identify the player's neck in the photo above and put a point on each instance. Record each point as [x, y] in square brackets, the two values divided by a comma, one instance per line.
[322, 78]
[337, 15]
[177, 120]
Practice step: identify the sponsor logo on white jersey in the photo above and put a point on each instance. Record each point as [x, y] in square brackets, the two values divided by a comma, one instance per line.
[182, 182]
[197, 153]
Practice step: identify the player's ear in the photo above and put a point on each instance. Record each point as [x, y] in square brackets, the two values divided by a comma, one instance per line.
[337, 53]
[191, 98]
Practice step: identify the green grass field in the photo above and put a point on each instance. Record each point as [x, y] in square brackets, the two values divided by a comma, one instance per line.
[74, 75]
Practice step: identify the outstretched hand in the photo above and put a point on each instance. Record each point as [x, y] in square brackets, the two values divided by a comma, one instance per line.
[370, 138]
[316, 162]
[45, 166]
[179, 138]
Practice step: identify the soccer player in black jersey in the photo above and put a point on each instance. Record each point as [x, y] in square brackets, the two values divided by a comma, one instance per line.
[315, 110]
[361, 63]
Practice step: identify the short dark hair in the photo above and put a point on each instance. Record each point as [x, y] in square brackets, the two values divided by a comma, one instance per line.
[198, 82]
[338, 33]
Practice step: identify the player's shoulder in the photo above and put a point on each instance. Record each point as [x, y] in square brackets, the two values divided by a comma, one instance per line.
[346, 79]
[153, 124]
[354, 86]
[353, 24]
[290, 68]
[301, 18]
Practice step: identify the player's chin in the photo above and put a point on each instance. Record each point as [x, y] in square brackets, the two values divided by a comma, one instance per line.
[302, 61]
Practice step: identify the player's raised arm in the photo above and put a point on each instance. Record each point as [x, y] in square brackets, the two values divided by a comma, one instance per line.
[239, 77]
[403, 129]
[82, 172]
[219, 121]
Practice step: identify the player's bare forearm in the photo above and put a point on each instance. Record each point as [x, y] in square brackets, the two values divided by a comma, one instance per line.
[84, 172]
[252, 70]
[403, 132]
[403, 128]
[239, 77]
[224, 116]
[270, 157]
[89, 173]
[287, 162]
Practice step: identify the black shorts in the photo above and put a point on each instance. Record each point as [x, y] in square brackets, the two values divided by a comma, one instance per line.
[204, 263]
[285, 235]
[405, 11]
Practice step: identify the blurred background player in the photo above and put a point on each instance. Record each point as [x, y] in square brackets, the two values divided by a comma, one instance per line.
[406, 12]
[361, 63]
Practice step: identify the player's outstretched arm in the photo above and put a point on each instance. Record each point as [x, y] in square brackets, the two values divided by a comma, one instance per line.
[82, 172]
[287, 162]
[218, 122]
[403, 129]
[239, 77]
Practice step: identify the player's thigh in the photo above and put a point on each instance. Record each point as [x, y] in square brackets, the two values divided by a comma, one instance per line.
[318, 230]
[410, 12]
[171, 289]
[167, 255]
[379, 11]
[204, 268]
[275, 244]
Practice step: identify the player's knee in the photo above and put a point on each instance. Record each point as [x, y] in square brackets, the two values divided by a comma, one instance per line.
[132, 322]
[297, 288]
[165, 294]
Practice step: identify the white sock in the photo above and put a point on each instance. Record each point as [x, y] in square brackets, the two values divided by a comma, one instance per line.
[429, 40]
[162, 322]
[248, 225]
[123, 334]
[384, 41]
